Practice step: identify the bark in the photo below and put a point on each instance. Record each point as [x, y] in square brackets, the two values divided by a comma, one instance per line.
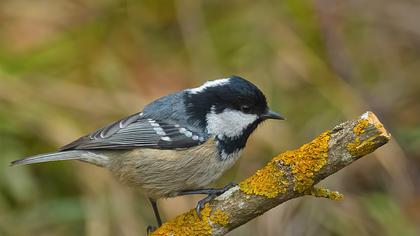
[289, 175]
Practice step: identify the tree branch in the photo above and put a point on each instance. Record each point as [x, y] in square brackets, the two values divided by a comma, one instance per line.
[289, 175]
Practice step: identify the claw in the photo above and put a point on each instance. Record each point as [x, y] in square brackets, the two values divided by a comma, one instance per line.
[215, 193]
[203, 202]
[150, 229]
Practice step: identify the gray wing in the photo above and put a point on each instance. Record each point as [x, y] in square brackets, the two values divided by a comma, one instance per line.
[138, 131]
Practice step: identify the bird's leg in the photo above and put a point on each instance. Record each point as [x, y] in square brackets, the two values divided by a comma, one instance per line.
[211, 194]
[207, 191]
[150, 229]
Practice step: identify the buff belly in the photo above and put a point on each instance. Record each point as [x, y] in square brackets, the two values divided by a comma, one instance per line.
[164, 173]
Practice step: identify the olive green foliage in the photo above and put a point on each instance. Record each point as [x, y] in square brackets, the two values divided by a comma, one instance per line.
[68, 67]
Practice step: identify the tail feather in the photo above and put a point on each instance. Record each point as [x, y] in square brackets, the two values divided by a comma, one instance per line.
[56, 156]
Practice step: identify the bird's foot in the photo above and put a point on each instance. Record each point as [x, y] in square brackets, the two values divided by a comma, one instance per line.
[150, 229]
[212, 194]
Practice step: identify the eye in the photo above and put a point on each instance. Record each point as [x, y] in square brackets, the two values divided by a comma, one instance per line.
[245, 108]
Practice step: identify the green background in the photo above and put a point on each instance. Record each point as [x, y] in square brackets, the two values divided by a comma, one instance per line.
[69, 67]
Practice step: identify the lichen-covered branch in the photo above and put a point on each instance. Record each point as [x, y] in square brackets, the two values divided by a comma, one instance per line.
[289, 175]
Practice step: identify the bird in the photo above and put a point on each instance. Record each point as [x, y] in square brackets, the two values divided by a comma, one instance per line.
[178, 144]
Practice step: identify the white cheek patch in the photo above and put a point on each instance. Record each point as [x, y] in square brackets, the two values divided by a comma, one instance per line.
[229, 123]
[208, 84]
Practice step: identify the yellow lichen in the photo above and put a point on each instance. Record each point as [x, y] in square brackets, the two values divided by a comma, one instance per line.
[361, 147]
[359, 128]
[268, 181]
[189, 223]
[304, 162]
[219, 217]
[325, 193]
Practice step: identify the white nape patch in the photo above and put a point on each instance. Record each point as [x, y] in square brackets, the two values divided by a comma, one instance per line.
[166, 138]
[208, 84]
[141, 114]
[228, 123]
[365, 116]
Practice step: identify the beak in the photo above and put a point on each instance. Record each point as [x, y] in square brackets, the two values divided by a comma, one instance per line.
[269, 114]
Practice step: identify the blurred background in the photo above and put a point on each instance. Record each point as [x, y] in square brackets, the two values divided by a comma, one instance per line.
[68, 67]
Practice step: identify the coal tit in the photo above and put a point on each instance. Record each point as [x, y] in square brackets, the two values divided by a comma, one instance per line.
[179, 143]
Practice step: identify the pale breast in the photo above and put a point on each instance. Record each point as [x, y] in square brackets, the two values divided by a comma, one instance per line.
[163, 173]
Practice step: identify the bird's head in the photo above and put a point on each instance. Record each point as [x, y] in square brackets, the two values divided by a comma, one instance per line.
[230, 109]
